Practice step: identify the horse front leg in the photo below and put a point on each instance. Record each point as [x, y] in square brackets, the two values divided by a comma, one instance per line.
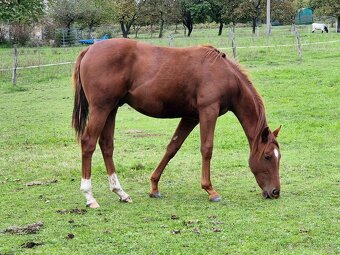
[208, 117]
[106, 143]
[184, 128]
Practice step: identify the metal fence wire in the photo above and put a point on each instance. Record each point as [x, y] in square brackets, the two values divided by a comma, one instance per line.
[27, 65]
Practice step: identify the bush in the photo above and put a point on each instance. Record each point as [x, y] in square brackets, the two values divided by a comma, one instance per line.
[19, 33]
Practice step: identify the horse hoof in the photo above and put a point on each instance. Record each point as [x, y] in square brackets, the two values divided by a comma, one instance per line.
[93, 205]
[126, 200]
[215, 199]
[155, 195]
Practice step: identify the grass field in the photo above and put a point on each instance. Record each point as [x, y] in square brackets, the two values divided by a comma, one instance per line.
[37, 144]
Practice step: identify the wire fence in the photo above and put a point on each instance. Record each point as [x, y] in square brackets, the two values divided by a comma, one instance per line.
[29, 65]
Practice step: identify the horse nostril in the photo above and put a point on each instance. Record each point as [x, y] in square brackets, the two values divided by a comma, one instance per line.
[275, 192]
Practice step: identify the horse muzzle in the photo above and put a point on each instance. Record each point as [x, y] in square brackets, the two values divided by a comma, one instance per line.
[272, 194]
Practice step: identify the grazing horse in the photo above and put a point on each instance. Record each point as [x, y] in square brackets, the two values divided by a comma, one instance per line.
[319, 26]
[196, 84]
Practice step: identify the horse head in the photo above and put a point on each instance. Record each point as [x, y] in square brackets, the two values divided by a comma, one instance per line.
[264, 163]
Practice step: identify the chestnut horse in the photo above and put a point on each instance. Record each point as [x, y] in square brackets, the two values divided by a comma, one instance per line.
[196, 84]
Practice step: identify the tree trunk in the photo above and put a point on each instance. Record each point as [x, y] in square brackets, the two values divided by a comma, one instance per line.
[91, 25]
[127, 26]
[338, 25]
[151, 30]
[220, 28]
[161, 27]
[187, 22]
[122, 27]
[189, 27]
[190, 30]
[254, 25]
[125, 29]
[137, 28]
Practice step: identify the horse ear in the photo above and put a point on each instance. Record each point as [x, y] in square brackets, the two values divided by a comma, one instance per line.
[276, 131]
[265, 134]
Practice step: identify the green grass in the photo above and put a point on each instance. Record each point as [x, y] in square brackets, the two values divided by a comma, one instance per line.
[37, 144]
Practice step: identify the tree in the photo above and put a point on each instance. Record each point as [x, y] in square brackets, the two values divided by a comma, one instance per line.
[24, 11]
[91, 14]
[157, 11]
[65, 12]
[194, 11]
[249, 10]
[327, 7]
[175, 15]
[126, 13]
[283, 10]
[301, 4]
[222, 12]
[21, 15]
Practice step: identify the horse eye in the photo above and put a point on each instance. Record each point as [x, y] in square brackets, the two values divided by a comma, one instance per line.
[267, 157]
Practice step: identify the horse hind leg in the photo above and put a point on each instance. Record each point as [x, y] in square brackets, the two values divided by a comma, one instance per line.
[106, 144]
[96, 122]
[183, 130]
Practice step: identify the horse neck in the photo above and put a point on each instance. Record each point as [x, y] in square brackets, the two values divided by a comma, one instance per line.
[250, 112]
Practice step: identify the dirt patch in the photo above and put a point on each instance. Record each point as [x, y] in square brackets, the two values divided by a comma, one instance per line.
[175, 231]
[139, 133]
[73, 211]
[214, 229]
[174, 217]
[37, 183]
[70, 236]
[30, 245]
[26, 230]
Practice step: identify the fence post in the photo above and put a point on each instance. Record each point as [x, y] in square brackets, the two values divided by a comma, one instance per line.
[229, 36]
[293, 28]
[233, 45]
[298, 45]
[63, 37]
[15, 65]
[171, 40]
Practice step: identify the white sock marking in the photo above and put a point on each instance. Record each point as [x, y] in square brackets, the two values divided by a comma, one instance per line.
[86, 188]
[116, 188]
[276, 153]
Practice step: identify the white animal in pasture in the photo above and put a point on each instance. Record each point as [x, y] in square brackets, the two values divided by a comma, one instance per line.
[320, 26]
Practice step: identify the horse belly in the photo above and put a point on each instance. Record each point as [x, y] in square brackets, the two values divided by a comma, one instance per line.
[155, 106]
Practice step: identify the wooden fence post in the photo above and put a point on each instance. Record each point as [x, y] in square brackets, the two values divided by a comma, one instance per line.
[233, 44]
[171, 40]
[15, 65]
[298, 45]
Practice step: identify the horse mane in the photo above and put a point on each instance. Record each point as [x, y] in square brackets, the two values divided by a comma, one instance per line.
[212, 53]
[259, 105]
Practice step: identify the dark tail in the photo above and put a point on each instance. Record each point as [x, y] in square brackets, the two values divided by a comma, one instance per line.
[81, 106]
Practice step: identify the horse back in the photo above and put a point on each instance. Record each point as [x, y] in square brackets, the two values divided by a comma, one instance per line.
[157, 81]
